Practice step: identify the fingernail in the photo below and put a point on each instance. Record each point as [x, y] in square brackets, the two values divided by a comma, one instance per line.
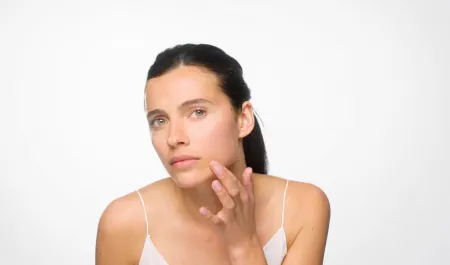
[217, 168]
[203, 211]
[217, 186]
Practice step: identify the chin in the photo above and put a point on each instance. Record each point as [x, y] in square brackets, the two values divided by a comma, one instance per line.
[191, 178]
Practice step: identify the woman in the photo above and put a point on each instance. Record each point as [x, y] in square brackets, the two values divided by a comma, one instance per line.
[219, 206]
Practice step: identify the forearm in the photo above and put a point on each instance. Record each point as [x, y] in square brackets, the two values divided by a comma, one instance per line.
[249, 254]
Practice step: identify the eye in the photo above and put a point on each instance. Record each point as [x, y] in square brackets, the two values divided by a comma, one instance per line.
[157, 122]
[199, 112]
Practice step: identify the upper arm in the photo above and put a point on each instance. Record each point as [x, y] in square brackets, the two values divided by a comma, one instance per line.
[114, 244]
[308, 247]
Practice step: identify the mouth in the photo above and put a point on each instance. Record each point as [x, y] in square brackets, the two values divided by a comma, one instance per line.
[183, 162]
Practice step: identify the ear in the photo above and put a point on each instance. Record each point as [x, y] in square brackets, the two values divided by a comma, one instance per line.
[246, 119]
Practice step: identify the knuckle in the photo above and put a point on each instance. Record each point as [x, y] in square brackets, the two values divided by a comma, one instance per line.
[234, 192]
[244, 197]
[216, 219]
[222, 216]
[230, 205]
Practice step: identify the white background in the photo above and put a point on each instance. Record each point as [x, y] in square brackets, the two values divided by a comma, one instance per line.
[354, 97]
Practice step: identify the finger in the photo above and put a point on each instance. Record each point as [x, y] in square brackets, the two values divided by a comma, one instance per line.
[208, 215]
[228, 180]
[226, 200]
[247, 181]
[237, 188]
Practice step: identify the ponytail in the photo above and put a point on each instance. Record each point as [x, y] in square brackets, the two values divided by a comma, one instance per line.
[255, 150]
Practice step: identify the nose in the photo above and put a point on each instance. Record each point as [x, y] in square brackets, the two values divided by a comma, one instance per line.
[177, 136]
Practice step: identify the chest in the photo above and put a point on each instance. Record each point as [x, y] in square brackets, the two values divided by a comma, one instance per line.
[204, 250]
[181, 249]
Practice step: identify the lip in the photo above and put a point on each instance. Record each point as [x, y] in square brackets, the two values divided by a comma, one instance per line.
[184, 164]
[182, 160]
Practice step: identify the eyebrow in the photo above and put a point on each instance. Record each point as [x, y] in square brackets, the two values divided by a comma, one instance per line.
[183, 105]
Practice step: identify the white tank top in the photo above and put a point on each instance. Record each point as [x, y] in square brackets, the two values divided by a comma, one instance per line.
[274, 250]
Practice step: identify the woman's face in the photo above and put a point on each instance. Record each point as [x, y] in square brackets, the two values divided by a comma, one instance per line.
[189, 115]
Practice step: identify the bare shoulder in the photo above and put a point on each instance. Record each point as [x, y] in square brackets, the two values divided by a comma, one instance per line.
[301, 197]
[121, 230]
[309, 209]
[308, 198]
[118, 231]
[307, 205]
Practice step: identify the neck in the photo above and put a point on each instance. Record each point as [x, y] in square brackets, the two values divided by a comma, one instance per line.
[204, 196]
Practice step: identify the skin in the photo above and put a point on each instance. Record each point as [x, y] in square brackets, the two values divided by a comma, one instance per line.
[229, 225]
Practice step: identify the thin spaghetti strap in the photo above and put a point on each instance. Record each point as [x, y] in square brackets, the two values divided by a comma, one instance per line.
[145, 212]
[284, 202]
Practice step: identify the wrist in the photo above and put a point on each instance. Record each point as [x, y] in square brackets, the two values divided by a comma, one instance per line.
[251, 249]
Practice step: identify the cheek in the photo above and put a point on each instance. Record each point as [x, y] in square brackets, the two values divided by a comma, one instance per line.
[218, 141]
[158, 144]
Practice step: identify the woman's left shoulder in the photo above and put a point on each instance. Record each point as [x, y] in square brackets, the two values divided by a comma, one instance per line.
[308, 195]
[307, 209]
[299, 193]
[304, 201]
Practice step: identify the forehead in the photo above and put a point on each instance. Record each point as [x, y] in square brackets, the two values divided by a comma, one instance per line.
[181, 84]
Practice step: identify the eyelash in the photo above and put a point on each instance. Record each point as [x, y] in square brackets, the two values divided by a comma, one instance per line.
[193, 111]
[198, 109]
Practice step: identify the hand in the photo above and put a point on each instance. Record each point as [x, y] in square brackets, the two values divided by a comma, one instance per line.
[236, 220]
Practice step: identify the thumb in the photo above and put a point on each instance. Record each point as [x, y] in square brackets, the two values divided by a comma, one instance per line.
[247, 180]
